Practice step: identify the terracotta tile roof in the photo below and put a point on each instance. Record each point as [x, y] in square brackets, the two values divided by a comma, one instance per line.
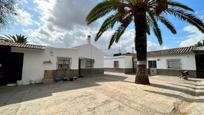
[175, 51]
[20, 45]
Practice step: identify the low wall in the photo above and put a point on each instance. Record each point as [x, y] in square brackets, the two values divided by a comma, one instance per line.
[120, 70]
[50, 74]
[159, 71]
[92, 71]
[175, 72]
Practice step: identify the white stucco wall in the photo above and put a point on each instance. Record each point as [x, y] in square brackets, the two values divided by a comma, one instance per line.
[53, 53]
[90, 51]
[124, 61]
[33, 66]
[187, 61]
[200, 48]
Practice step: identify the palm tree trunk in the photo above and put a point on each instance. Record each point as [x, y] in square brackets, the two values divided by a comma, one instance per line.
[141, 48]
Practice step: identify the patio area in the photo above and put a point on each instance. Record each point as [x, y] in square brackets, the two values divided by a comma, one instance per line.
[112, 94]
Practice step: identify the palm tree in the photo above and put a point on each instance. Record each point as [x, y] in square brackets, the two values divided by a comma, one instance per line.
[16, 38]
[200, 43]
[145, 14]
[7, 8]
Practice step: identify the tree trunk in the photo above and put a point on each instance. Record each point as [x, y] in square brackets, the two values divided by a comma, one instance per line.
[141, 48]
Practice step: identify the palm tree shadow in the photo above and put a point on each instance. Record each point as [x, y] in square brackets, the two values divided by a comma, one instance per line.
[182, 85]
[182, 88]
[179, 89]
[177, 96]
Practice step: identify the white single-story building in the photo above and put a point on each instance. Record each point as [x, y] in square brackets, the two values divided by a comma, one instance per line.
[123, 63]
[163, 62]
[26, 63]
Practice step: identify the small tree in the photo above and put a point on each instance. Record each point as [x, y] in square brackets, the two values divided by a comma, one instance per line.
[200, 43]
[6, 10]
[16, 38]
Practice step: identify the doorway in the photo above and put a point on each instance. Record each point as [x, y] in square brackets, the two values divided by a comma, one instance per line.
[200, 65]
[152, 67]
[11, 65]
[85, 66]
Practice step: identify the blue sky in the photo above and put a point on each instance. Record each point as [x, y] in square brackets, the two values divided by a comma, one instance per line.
[61, 23]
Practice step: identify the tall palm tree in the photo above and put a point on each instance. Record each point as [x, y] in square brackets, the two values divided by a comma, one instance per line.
[145, 14]
[16, 38]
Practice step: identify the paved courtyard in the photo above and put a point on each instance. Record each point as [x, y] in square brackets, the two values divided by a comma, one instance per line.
[110, 94]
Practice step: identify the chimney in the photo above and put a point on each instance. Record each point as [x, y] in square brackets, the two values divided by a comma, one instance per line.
[89, 39]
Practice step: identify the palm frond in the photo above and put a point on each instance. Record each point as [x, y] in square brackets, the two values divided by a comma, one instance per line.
[120, 32]
[168, 24]
[179, 5]
[156, 28]
[190, 18]
[148, 25]
[102, 9]
[117, 35]
[10, 38]
[121, 29]
[108, 23]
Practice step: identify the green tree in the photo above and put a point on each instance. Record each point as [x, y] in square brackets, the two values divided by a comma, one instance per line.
[200, 43]
[145, 14]
[7, 8]
[16, 38]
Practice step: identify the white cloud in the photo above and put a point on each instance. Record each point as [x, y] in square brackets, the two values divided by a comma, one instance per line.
[23, 1]
[194, 36]
[23, 17]
[46, 8]
[63, 22]
[63, 25]
[151, 46]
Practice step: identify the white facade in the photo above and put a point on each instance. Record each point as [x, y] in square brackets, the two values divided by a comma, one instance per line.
[187, 61]
[164, 62]
[124, 62]
[34, 66]
[200, 48]
[90, 51]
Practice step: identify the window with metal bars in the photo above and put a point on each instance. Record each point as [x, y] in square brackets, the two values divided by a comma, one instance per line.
[174, 64]
[89, 63]
[116, 64]
[63, 63]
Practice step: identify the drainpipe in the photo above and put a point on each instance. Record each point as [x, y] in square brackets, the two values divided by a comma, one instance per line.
[133, 65]
[79, 66]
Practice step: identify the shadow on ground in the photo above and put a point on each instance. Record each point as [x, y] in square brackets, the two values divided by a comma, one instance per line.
[181, 88]
[187, 86]
[177, 96]
[13, 95]
[187, 90]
